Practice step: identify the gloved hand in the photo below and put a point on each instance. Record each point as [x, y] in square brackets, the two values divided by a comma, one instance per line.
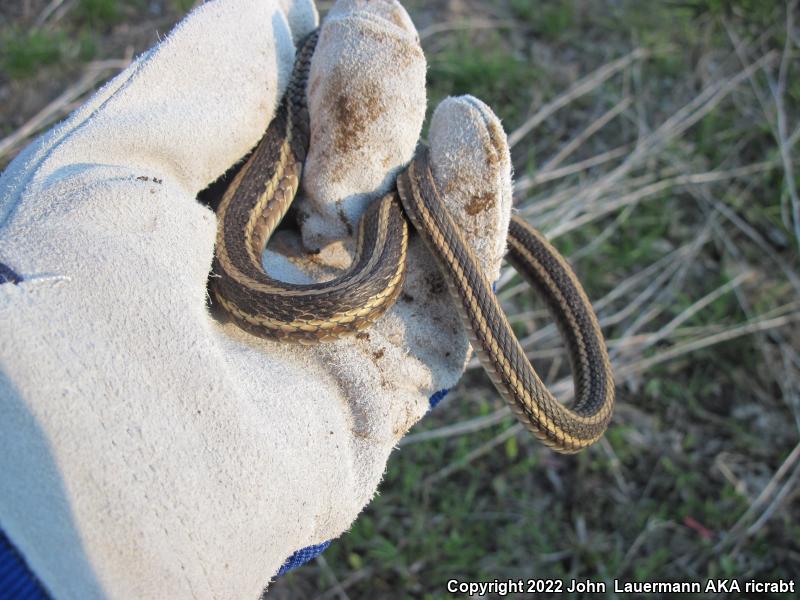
[150, 451]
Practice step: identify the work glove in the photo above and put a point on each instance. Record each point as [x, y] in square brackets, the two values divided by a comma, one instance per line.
[151, 449]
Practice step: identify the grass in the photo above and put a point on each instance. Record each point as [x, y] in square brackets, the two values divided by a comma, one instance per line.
[686, 243]
[24, 53]
[551, 20]
[485, 69]
[100, 13]
[660, 501]
[28, 52]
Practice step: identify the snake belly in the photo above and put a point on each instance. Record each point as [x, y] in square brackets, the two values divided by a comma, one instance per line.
[262, 192]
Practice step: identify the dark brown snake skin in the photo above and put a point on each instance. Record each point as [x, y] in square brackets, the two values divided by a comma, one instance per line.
[261, 193]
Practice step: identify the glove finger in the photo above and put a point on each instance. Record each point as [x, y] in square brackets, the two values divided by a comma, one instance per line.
[383, 378]
[367, 104]
[301, 15]
[471, 164]
[419, 349]
[200, 99]
[19, 173]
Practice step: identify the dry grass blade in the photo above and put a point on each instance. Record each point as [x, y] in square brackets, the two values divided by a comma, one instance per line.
[528, 182]
[731, 333]
[61, 106]
[657, 188]
[550, 172]
[669, 175]
[770, 510]
[664, 332]
[670, 129]
[759, 241]
[464, 25]
[580, 88]
[561, 206]
[337, 588]
[584, 135]
[481, 450]
[657, 275]
[779, 93]
[673, 259]
[350, 580]
[48, 10]
[456, 429]
[769, 494]
[622, 369]
[651, 527]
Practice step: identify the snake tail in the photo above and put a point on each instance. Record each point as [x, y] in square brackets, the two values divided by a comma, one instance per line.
[565, 429]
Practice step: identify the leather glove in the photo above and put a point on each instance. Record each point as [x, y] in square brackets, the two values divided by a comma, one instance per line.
[150, 450]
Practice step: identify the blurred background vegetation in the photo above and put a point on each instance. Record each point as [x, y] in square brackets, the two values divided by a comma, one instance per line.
[655, 144]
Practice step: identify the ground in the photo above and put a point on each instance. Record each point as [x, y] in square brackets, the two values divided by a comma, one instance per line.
[655, 145]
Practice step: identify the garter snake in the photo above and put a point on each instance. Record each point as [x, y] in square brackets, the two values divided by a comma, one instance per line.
[262, 192]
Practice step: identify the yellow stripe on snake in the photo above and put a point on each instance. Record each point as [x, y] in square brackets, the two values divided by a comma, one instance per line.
[260, 195]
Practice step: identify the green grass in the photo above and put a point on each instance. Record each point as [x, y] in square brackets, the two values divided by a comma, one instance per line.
[552, 20]
[24, 53]
[488, 70]
[505, 504]
[521, 511]
[101, 13]
[756, 11]
[182, 6]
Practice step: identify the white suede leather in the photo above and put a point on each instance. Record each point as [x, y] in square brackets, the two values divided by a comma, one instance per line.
[150, 451]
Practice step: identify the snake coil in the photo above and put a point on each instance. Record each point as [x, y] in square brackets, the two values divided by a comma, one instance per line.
[260, 195]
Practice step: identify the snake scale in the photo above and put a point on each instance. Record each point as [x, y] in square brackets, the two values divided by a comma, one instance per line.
[259, 197]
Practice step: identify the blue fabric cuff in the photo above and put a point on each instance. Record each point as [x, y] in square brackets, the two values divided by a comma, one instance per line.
[438, 397]
[8, 275]
[17, 582]
[302, 556]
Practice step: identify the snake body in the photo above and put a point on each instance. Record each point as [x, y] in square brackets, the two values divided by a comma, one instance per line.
[251, 209]
[499, 351]
[259, 197]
